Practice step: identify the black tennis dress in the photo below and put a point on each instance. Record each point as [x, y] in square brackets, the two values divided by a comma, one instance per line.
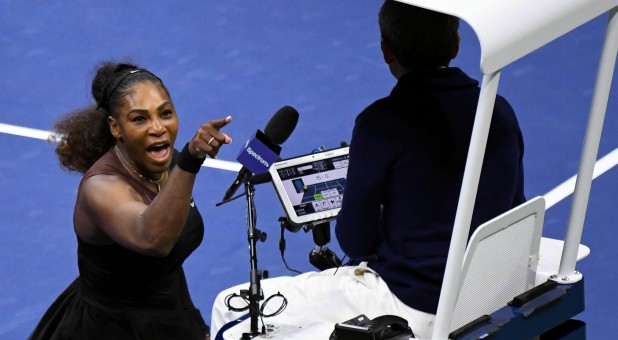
[121, 294]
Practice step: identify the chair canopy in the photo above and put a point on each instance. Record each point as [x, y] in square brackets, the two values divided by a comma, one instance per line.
[509, 30]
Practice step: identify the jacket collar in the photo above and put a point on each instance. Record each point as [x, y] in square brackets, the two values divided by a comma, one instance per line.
[435, 79]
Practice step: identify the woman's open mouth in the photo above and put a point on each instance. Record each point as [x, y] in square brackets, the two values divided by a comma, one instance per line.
[159, 152]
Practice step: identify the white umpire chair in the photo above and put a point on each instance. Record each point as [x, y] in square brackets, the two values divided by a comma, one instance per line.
[524, 26]
[500, 262]
[505, 258]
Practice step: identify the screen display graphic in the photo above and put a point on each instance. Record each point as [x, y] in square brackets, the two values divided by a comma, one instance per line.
[312, 187]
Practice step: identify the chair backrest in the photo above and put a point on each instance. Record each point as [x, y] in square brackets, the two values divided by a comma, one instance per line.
[500, 261]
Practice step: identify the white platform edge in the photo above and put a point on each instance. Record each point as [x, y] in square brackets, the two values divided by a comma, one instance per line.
[550, 253]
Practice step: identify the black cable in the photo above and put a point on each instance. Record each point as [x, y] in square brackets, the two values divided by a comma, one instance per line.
[263, 324]
[344, 256]
[228, 304]
[282, 249]
[281, 308]
[284, 305]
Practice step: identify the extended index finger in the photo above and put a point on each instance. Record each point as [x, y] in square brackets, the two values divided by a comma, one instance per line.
[219, 123]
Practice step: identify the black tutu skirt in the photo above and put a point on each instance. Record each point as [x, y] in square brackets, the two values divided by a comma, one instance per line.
[71, 317]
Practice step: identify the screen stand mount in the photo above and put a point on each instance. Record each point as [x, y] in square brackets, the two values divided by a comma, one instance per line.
[321, 257]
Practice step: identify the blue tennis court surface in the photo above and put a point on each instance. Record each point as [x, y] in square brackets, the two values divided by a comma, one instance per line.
[248, 59]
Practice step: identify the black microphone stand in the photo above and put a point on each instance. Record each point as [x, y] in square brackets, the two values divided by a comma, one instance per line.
[254, 234]
[254, 293]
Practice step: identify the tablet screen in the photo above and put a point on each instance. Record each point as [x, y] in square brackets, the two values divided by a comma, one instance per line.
[311, 187]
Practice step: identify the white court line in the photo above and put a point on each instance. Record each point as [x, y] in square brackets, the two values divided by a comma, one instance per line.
[45, 135]
[551, 198]
[25, 132]
[568, 187]
[223, 165]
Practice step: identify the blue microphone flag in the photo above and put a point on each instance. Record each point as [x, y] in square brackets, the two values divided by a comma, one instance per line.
[258, 153]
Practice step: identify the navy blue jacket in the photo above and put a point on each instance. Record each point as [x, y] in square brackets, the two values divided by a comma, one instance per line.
[407, 157]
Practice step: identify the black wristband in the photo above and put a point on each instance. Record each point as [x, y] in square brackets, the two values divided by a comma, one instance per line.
[188, 162]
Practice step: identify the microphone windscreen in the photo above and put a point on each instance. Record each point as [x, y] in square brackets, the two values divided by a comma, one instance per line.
[264, 177]
[281, 125]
